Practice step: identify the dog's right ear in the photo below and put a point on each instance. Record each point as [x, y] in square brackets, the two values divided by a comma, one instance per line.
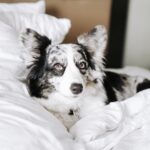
[34, 46]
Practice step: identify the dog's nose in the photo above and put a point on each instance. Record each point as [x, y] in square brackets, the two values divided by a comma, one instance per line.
[76, 88]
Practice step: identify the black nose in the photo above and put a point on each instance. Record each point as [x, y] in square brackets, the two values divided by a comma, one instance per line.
[76, 88]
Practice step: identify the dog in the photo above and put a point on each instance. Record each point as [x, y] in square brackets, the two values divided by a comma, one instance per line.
[70, 80]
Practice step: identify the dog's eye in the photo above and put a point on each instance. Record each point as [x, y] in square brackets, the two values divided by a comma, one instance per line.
[58, 67]
[82, 65]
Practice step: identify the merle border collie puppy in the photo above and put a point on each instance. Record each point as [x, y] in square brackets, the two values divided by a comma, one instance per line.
[69, 80]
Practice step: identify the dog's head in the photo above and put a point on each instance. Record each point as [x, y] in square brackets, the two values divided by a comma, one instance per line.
[64, 68]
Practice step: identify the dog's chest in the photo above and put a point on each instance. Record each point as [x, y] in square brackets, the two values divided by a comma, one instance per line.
[66, 118]
[70, 111]
[75, 112]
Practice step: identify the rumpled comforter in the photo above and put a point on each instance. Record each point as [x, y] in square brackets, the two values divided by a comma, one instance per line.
[120, 126]
[25, 124]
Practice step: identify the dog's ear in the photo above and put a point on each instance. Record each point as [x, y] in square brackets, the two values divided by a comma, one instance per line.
[35, 56]
[34, 46]
[94, 41]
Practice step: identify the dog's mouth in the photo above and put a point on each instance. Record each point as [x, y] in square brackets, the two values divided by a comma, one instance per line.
[71, 96]
[75, 96]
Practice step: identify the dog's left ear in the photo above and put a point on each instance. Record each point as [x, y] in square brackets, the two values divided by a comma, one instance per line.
[94, 41]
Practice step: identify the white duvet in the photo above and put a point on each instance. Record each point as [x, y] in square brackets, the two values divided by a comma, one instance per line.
[25, 124]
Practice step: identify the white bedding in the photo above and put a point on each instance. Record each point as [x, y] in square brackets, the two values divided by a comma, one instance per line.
[121, 126]
[26, 125]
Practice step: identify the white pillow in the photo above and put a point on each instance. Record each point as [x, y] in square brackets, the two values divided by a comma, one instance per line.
[37, 7]
[9, 51]
[54, 28]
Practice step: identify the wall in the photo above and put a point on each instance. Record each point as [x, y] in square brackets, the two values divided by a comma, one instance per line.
[84, 14]
[137, 46]
[16, 1]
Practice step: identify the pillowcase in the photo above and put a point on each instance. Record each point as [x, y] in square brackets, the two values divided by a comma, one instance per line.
[9, 51]
[37, 7]
[52, 27]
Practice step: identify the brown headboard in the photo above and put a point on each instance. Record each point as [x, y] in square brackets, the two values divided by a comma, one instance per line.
[84, 14]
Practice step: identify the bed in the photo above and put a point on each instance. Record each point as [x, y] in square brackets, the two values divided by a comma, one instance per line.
[25, 124]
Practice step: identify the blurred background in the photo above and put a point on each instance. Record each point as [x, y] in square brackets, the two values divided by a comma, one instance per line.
[127, 22]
